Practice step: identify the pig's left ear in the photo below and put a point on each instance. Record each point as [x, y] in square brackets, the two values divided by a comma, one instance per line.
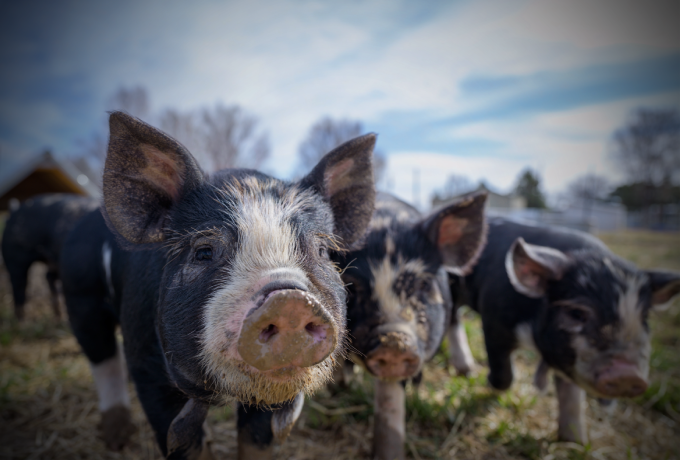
[530, 267]
[459, 232]
[344, 178]
[665, 285]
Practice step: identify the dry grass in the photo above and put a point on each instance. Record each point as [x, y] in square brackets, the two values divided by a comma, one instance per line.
[48, 404]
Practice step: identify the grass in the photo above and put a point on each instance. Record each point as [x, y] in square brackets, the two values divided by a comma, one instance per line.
[48, 404]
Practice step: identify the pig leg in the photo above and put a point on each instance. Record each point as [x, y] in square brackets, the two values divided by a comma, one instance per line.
[459, 349]
[499, 347]
[94, 327]
[186, 436]
[18, 275]
[52, 277]
[259, 428]
[571, 421]
[390, 420]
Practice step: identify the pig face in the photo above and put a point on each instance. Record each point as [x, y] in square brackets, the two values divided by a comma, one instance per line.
[250, 305]
[398, 304]
[593, 325]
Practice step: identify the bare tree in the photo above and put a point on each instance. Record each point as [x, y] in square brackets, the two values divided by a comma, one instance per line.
[328, 133]
[133, 100]
[221, 137]
[586, 190]
[648, 147]
[589, 187]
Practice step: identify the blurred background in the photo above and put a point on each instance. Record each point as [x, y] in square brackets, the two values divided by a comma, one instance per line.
[567, 111]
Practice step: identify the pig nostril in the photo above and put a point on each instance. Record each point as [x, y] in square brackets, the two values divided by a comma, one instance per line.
[268, 332]
[316, 331]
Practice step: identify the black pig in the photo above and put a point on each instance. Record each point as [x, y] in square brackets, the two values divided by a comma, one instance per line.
[399, 302]
[35, 232]
[565, 294]
[222, 284]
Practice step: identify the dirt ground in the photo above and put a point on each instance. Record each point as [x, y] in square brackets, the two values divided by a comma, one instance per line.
[48, 407]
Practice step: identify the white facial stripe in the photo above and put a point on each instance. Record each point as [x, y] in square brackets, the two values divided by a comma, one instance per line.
[110, 378]
[384, 276]
[630, 313]
[268, 250]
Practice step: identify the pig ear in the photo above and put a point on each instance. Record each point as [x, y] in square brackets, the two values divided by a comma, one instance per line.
[145, 174]
[530, 267]
[344, 178]
[459, 232]
[665, 285]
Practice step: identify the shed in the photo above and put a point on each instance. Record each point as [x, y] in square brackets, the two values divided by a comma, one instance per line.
[44, 173]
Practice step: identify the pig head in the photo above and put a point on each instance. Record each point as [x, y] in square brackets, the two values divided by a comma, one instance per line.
[249, 306]
[592, 327]
[399, 303]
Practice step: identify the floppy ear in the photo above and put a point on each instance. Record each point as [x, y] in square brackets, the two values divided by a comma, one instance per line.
[146, 172]
[344, 178]
[665, 286]
[459, 232]
[530, 267]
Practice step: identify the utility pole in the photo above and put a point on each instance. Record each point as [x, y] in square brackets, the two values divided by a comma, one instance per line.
[416, 188]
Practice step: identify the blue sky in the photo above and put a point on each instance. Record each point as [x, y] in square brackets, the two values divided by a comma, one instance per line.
[481, 89]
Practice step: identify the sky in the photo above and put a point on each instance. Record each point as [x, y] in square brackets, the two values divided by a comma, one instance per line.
[481, 89]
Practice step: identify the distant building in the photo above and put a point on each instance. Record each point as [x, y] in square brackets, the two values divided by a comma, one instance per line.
[497, 203]
[590, 216]
[23, 178]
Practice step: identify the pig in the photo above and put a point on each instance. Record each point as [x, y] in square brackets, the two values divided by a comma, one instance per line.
[565, 294]
[222, 284]
[399, 303]
[35, 232]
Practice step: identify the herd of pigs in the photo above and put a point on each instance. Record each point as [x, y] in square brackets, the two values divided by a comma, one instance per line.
[237, 286]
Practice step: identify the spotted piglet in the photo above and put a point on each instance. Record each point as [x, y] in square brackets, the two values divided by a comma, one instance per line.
[564, 294]
[222, 284]
[399, 303]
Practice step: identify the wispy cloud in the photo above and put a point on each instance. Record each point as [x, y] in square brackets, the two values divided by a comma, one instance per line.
[479, 80]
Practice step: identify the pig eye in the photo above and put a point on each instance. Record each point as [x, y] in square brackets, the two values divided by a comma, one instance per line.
[204, 253]
[323, 252]
[578, 315]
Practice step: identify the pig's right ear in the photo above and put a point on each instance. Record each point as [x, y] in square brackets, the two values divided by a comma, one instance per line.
[146, 172]
[344, 178]
[459, 232]
[530, 267]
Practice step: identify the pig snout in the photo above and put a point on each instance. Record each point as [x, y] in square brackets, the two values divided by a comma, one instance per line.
[290, 329]
[396, 356]
[621, 379]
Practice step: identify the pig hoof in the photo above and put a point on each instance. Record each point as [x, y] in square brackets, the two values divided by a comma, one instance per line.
[500, 384]
[116, 427]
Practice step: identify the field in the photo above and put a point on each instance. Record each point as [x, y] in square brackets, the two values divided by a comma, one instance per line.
[48, 404]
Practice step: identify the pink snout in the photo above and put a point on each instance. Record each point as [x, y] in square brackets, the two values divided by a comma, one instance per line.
[394, 358]
[290, 329]
[621, 380]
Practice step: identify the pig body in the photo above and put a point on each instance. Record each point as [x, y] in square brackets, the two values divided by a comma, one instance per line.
[566, 295]
[222, 285]
[399, 303]
[35, 232]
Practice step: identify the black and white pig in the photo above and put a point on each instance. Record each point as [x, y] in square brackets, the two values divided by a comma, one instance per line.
[399, 303]
[35, 232]
[222, 284]
[563, 293]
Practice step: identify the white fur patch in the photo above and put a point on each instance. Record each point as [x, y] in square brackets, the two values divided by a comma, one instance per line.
[110, 379]
[268, 251]
[525, 336]
[106, 262]
[629, 309]
[384, 276]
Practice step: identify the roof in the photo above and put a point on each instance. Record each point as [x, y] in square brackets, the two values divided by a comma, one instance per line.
[43, 173]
